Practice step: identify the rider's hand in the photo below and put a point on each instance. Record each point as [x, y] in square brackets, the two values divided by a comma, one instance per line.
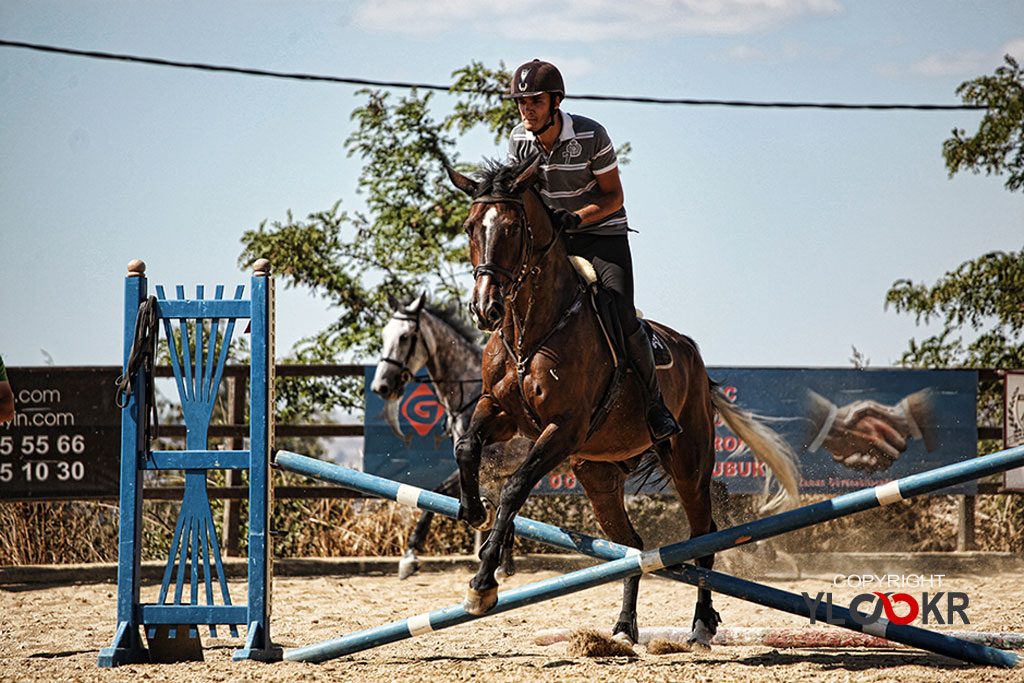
[567, 220]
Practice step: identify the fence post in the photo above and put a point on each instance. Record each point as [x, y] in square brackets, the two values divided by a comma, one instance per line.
[236, 413]
[965, 526]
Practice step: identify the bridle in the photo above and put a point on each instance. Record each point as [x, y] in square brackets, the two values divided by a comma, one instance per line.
[526, 248]
[520, 355]
[406, 374]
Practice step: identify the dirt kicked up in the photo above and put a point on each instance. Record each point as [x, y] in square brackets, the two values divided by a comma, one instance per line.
[54, 633]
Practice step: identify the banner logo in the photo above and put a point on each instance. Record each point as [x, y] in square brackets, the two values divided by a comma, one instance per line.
[422, 410]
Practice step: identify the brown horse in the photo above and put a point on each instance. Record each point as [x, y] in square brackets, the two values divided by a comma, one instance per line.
[547, 369]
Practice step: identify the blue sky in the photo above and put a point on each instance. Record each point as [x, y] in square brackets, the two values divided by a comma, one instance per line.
[770, 236]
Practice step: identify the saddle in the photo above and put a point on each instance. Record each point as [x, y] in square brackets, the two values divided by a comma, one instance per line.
[600, 301]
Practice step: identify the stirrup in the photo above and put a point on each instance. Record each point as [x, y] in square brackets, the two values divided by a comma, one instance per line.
[670, 426]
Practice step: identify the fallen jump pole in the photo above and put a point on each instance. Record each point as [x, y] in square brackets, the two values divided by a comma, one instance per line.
[675, 554]
[788, 637]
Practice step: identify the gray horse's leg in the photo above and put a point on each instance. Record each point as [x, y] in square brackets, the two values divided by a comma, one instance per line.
[410, 562]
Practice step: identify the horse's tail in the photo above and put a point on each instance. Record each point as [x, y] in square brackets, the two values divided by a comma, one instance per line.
[769, 447]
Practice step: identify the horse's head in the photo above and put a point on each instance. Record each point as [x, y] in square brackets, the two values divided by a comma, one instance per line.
[403, 352]
[500, 236]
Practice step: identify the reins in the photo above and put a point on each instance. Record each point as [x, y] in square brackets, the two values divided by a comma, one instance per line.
[521, 358]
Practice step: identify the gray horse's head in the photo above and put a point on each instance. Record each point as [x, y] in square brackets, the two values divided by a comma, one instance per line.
[403, 352]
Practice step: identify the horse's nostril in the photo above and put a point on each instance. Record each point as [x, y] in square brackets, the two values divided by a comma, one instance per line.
[494, 312]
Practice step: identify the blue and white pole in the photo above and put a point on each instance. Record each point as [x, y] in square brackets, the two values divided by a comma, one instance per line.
[657, 560]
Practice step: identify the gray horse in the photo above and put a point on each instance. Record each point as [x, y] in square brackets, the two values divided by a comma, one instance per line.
[421, 335]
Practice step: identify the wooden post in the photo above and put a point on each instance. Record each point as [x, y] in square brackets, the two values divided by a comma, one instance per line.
[236, 412]
[965, 518]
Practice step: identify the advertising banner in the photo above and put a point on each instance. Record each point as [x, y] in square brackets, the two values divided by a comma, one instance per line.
[1013, 426]
[850, 428]
[422, 454]
[65, 439]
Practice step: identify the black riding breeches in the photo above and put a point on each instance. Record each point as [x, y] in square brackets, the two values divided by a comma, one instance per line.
[614, 265]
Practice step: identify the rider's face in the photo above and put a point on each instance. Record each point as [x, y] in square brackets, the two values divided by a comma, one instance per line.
[535, 110]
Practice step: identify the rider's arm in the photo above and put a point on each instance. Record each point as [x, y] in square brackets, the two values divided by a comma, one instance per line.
[610, 200]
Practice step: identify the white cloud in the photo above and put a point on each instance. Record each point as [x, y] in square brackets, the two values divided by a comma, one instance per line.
[949, 63]
[744, 53]
[586, 20]
[1015, 49]
[956, 62]
[786, 51]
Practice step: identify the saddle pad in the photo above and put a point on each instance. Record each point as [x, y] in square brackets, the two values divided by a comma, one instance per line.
[662, 356]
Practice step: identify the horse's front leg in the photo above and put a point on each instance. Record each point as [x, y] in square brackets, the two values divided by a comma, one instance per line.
[489, 424]
[553, 446]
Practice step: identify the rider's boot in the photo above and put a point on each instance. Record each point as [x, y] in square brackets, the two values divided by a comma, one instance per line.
[659, 420]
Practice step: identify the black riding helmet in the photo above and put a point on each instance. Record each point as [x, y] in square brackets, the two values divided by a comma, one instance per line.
[535, 78]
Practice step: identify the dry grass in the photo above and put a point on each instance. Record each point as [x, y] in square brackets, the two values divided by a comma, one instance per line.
[57, 533]
[63, 533]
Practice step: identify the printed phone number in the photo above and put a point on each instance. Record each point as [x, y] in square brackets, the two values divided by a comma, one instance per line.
[40, 470]
[66, 444]
[44, 470]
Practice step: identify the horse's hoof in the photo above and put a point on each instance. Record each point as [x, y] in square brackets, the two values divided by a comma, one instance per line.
[474, 517]
[699, 639]
[491, 513]
[480, 602]
[699, 646]
[504, 571]
[624, 638]
[408, 565]
[626, 632]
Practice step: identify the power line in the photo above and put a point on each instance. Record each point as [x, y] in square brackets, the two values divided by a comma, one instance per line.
[427, 86]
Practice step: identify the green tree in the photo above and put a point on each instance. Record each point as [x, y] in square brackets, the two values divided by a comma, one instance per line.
[998, 146]
[980, 306]
[407, 239]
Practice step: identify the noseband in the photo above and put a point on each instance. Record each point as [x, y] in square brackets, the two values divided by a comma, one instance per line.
[406, 374]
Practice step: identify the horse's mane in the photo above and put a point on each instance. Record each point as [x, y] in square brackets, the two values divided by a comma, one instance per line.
[451, 315]
[496, 177]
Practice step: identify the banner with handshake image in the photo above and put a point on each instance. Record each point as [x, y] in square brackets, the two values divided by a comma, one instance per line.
[852, 428]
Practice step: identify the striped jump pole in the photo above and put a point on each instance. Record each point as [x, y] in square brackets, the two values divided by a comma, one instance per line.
[658, 559]
[788, 637]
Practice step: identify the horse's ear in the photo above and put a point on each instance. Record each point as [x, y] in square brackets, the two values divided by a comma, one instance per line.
[393, 303]
[416, 305]
[460, 181]
[527, 177]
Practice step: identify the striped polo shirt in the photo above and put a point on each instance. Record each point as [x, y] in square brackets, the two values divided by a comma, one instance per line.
[583, 152]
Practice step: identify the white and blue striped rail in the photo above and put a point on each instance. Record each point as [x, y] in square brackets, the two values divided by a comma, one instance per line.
[628, 562]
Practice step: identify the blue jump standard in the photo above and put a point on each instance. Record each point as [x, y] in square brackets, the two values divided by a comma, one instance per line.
[628, 562]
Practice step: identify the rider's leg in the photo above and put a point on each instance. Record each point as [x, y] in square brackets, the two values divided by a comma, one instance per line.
[659, 420]
[613, 263]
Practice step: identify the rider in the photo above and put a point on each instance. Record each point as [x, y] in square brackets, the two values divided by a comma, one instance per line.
[581, 184]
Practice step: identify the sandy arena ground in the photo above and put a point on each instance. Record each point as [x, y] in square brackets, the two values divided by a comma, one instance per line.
[54, 633]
